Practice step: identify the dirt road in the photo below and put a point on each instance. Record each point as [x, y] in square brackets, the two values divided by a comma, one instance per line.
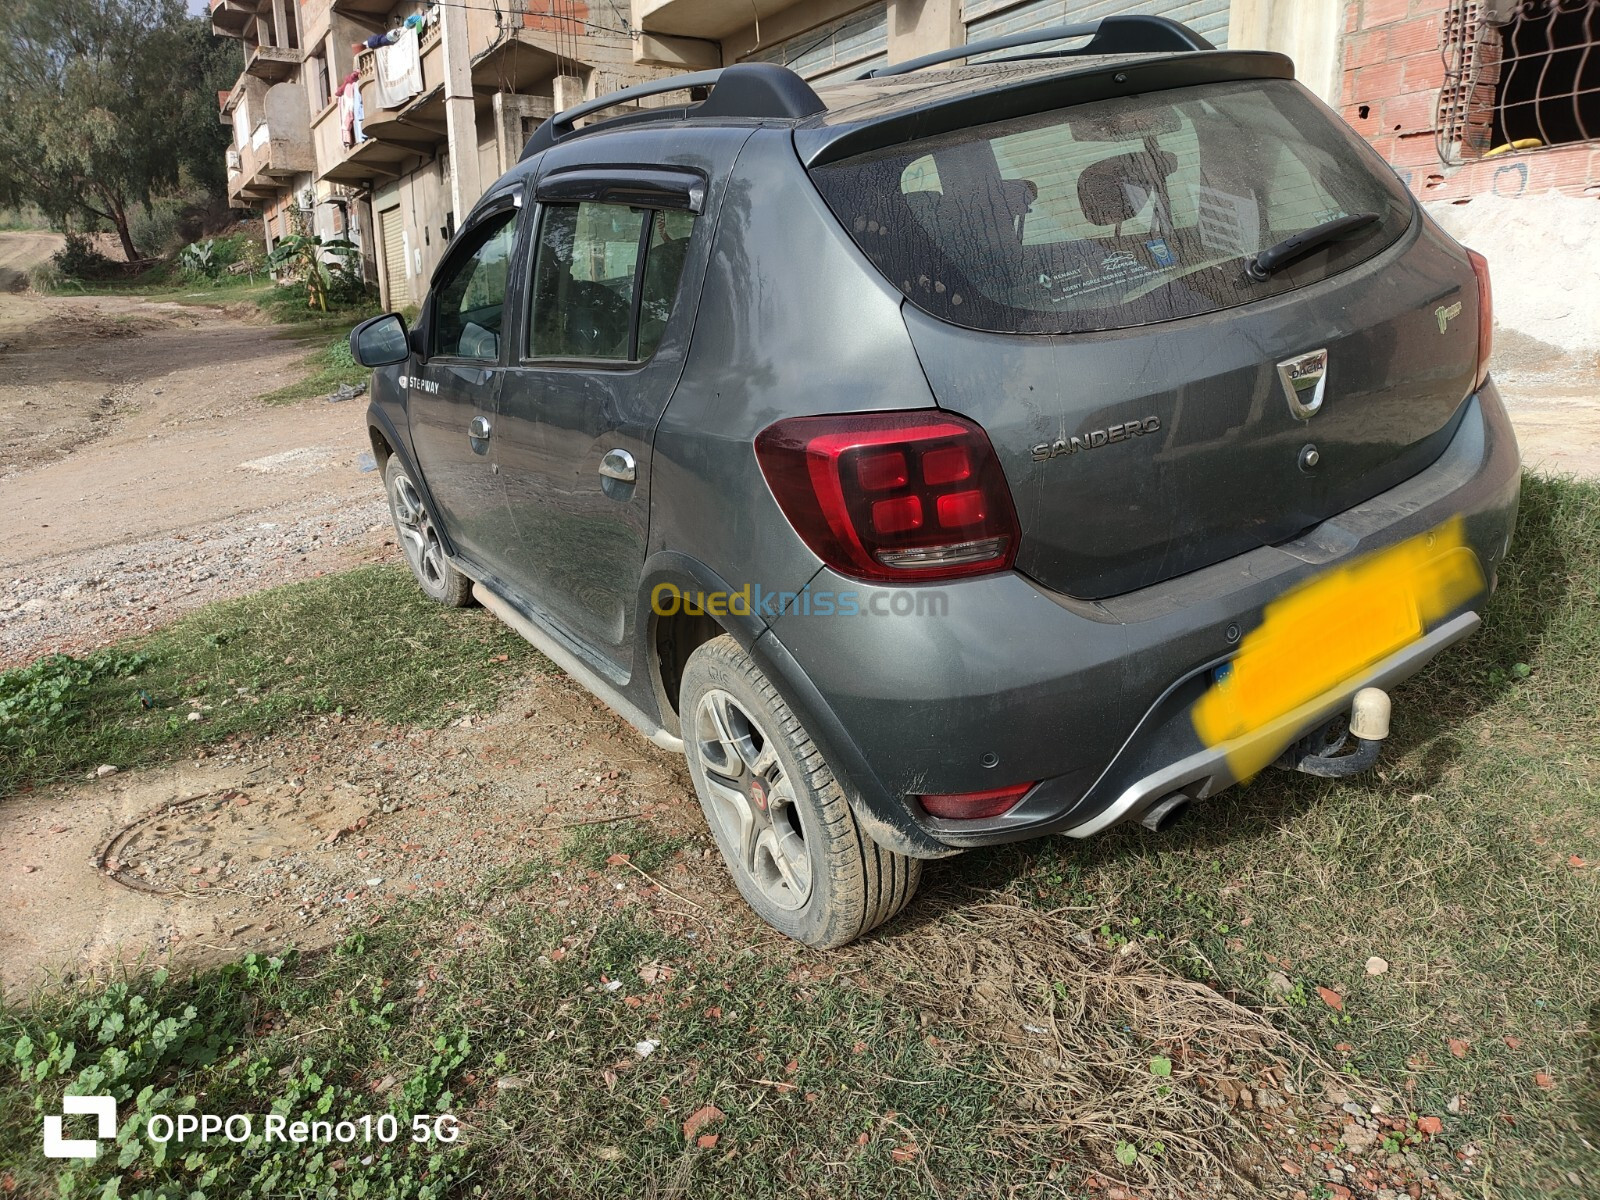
[20, 252]
[140, 473]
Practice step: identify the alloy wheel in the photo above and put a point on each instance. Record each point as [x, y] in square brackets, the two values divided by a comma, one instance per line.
[753, 799]
[418, 538]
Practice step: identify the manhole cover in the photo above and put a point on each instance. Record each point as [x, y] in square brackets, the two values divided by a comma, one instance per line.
[206, 844]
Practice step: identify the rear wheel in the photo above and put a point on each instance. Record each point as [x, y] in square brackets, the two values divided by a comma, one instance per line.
[776, 811]
[420, 542]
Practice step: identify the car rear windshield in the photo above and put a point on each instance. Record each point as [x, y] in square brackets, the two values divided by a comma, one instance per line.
[1117, 213]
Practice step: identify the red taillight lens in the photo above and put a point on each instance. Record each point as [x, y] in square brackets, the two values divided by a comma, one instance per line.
[1480, 268]
[894, 497]
[969, 806]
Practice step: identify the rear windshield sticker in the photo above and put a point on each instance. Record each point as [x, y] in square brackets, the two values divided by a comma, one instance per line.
[1161, 253]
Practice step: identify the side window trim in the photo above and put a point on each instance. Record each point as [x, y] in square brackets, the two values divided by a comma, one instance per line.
[637, 187]
[493, 208]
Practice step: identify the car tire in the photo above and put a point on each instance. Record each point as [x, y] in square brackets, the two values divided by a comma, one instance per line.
[419, 540]
[778, 814]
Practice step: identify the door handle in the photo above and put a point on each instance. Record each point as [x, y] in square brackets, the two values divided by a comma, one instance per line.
[619, 465]
[478, 430]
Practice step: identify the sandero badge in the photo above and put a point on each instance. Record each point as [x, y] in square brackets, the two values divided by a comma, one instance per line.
[1095, 439]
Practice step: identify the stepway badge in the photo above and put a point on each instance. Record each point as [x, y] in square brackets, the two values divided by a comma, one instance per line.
[1162, 253]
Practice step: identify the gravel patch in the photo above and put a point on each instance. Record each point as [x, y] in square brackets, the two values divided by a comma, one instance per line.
[89, 598]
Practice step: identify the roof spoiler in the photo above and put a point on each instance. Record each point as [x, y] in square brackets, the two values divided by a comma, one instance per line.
[1112, 35]
[748, 90]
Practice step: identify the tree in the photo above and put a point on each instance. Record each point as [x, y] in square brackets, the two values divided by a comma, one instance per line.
[210, 64]
[96, 106]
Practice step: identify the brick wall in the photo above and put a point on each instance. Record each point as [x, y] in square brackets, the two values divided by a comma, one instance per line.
[569, 17]
[1393, 73]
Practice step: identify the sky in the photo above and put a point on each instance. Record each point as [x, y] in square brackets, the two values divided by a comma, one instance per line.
[197, 6]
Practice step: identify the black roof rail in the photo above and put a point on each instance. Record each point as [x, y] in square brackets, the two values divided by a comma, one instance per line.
[752, 90]
[1112, 35]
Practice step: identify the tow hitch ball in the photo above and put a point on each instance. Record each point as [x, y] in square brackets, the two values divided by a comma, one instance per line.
[1323, 751]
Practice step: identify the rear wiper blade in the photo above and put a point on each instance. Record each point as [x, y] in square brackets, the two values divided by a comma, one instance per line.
[1275, 258]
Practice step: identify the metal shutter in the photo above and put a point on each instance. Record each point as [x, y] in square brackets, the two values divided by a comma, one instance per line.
[991, 18]
[840, 49]
[392, 233]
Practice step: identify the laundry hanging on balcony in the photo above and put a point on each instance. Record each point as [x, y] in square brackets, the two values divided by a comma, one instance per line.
[350, 111]
[399, 69]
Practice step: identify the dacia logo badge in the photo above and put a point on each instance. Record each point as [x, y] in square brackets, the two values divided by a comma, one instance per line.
[1305, 382]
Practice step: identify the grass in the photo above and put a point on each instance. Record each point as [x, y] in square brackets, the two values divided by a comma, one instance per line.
[26, 219]
[1468, 864]
[365, 641]
[512, 1028]
[165, 285]
[329, 368]
[903, 1066]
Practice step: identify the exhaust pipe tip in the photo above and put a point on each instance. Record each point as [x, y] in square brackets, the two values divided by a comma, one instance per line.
[1166, 812]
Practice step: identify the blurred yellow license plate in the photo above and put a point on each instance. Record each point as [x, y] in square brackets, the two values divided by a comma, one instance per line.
[1323, 633]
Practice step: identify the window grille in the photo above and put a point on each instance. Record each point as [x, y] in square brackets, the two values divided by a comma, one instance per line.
[1519, 75]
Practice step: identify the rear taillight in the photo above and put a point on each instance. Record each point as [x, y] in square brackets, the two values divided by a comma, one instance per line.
[899, 497]
[1480, 268]
[970, 806]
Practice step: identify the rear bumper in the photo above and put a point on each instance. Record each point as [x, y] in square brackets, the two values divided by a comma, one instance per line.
[996, 680]
[1205, 771]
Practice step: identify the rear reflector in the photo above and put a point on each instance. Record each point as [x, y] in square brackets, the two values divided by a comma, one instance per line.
[1480, 268]
[893, 497]
[969, 806]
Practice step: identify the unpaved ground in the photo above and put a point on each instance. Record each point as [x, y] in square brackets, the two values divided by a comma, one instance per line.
[302, 838]
[141, 475]
[1554, 402]
[19, 252]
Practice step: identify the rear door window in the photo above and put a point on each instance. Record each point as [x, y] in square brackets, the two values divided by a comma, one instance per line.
[1116, 213]
[604, 279]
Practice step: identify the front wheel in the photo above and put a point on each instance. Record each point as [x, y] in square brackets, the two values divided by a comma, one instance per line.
[419, 540]
[777, 813]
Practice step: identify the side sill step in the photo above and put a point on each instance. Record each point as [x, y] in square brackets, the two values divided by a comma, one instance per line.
[564, 659]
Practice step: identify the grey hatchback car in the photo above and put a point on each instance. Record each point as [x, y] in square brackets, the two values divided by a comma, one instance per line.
[968, 452]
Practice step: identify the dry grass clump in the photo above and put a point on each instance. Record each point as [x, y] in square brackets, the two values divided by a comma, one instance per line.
[1105, 1058]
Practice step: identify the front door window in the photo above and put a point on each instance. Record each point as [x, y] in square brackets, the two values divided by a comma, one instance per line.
[470, 296]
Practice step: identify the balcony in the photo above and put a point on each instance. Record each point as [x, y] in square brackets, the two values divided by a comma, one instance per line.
[367, 9]
[272, 63]
[247, 185]
[367, 163]
[266, 166]
[271, 123]
[524, 62]
[709, 19]
[418, 121]
[230, 18]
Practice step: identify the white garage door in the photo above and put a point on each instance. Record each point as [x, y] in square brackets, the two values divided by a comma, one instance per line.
[992, 18]
[392, 235]
[841, 49]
